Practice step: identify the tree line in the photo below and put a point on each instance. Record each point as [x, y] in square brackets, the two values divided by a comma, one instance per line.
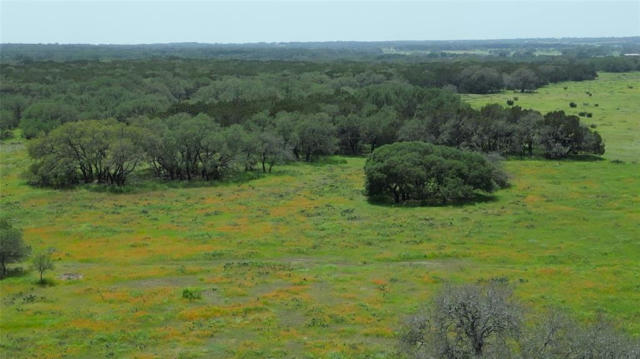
[530, 49]
[37, 97]
[187, 147]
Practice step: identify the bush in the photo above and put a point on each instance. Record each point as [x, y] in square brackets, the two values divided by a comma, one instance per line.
[573, 105]
[191, 294]
[418, 171]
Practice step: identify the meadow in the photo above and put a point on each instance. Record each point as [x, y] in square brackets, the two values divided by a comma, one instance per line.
[299, 264]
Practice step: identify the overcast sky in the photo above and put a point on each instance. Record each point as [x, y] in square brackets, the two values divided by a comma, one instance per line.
[130, 22]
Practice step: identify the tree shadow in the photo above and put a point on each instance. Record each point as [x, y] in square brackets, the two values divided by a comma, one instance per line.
[149, 183]
[386, 201]
[15, 272]
[45, 282]
[326, 161]
[583, 158]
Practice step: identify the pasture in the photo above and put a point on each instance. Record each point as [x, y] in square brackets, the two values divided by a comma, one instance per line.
[299, 264]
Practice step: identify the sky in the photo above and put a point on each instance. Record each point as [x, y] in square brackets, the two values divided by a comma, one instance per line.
[163, 21]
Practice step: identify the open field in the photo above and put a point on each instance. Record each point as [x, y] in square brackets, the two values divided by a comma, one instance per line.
[614, 103]
[299, 264]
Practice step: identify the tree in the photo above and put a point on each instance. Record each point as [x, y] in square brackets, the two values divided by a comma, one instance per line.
[523, 79]
[427, 173]
[271, 150]
[417, 129]
[349, 132]
[244, 145]
[484, 320]
[42, 262]
[141, 105]
[11, 109]
[524, 135]
[87, 151]
[464, 321]
[6, 123]
[562, 135]
[12, 247]
[478, 79]
[285, 127]
[316, 136]
[379, 127]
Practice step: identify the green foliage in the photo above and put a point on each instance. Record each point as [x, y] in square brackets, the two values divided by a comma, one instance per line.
[42, 262]
[305, 237]
[86, 151]
[42, 117]
[315, 135]
[191, 294]
[478, 79]
[11, 109]
[562, 135]
[428, 173]
[12, 246]
[523, 79]
[486, 321]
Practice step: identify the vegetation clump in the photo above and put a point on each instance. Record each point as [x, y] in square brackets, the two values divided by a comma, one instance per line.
[12, 246]
[486, 321]
[191, 294]
[418, 171]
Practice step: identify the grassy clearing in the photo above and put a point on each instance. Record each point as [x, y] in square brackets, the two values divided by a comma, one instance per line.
[299, 264]
[614, 103]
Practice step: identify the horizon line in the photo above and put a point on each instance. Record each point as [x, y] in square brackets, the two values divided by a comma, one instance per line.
[320, 42]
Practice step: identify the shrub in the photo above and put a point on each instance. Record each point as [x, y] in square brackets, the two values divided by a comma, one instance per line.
[510, 102]
[573, 105]
[191, 294]
[427, 173]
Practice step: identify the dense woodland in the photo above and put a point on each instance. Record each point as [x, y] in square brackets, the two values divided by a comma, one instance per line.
[409, 51]
[186, 119]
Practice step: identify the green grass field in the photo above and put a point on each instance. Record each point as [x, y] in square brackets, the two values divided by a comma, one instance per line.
[299, 264]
